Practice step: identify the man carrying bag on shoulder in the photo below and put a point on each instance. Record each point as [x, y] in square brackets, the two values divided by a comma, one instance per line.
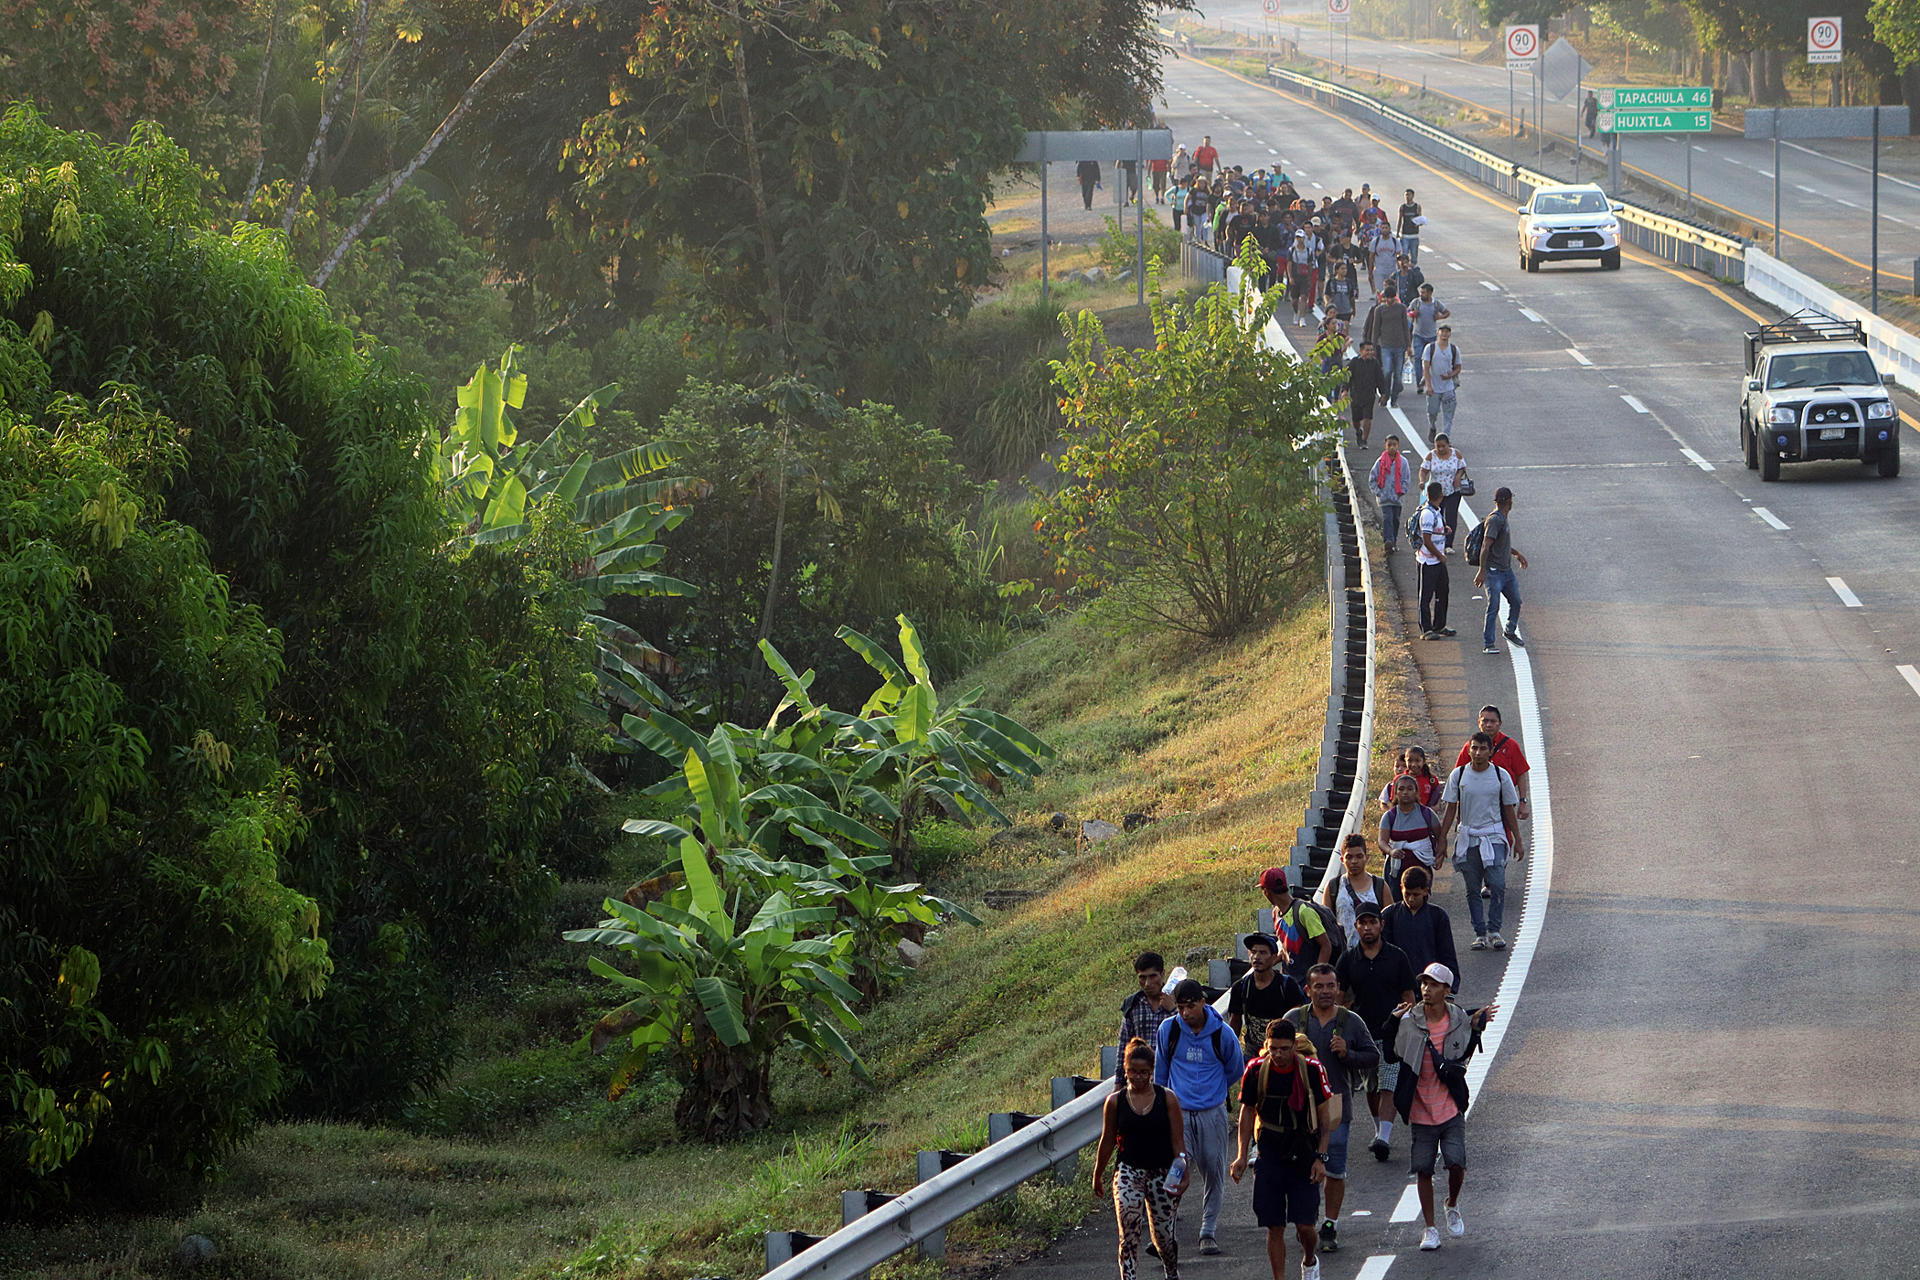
[1434, 1038]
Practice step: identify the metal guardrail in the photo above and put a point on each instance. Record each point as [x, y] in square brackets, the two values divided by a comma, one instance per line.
[1674, 239]
[909, 1217]
[1198, 262]
[1895, 349]
[921, 1215]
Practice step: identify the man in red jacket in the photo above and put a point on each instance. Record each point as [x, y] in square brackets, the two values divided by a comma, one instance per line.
[1507, 755]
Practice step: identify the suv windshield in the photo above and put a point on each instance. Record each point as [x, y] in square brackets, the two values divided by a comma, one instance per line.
[1822, 368]
[1553, 203]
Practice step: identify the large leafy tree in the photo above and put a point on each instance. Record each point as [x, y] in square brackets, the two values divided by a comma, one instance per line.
[425, 709]
[146, 934]
[1190, 491]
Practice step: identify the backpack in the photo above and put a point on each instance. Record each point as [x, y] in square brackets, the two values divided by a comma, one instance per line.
[1356, 1080]
[1303, 1138]
[1413, 525]
[1476, 543]
[1328, 921]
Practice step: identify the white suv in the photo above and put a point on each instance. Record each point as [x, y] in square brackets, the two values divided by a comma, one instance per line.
[1569, 222]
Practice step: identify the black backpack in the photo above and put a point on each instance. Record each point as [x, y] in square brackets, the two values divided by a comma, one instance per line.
[1476, 543]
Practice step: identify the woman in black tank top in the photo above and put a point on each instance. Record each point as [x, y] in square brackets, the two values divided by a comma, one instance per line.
[1143, 1122]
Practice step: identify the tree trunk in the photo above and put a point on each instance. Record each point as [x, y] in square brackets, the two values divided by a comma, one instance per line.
[1738, 82]
[331, 105]
[779, 534]
[728, 1091]
[1776, 77]
[756, 182]
[260, 115]
[432, 144]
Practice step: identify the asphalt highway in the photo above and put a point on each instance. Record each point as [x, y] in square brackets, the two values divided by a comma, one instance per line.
[1707, 1072]
[1825, 186]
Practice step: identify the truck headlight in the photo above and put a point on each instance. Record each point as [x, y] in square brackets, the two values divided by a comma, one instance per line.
[1784, 415]
[1880, 409]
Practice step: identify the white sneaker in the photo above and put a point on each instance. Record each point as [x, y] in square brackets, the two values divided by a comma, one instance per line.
[1497, 942]
[1310, 1270]
[1431, 1240]
[1456, 1225]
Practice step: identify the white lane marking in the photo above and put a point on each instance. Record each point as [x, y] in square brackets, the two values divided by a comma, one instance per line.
[1409, 1207]
[1374, 1267]
[1272, 152]
[1728, 159]
[1456, 266]
[1809, 190]
[1765, 173]
[1850, 204]
[1697, 460]
[1317, 185]
[1885, 177]
[1490, 286]
[1771, 518]
[1633, 403]
[1698, 147]
[1845, 592]
[1575, 353]
[1534, 316]
[1908, 674]
[1248, 132]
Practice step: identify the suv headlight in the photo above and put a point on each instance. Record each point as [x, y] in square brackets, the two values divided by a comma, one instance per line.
[1783, 414]
[1880, 409]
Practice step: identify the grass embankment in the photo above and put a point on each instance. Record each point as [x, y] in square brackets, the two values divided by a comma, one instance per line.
[520, 1168]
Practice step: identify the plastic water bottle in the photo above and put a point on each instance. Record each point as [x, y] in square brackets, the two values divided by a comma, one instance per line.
[1177, 1173]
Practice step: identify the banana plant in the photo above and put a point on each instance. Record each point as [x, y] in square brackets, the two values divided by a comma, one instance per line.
[864, 779]
[622, 503]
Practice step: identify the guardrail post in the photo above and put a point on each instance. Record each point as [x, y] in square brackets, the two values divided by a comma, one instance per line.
[926, 1166]
[858, 1204]
[1109, 1060]
[1003, 1124]
[782, 1246]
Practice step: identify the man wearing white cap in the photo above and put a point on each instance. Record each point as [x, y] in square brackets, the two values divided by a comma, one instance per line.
[1434, 1038]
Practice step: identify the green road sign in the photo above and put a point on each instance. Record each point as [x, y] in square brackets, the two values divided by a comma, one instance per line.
[1656, 121]
[1657, 98]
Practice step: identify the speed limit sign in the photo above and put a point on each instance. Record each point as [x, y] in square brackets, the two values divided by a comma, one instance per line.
[1523, 46]
[1823, 39]
[1271, 6]
[1339, 10]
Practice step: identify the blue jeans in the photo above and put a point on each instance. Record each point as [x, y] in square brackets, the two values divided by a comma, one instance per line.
[1410, 245]
[1476, 873]
[1391, 359]
[1390, 526]
[1502, 582]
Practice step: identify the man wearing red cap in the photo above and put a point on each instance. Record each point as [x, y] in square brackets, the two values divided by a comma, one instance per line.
[1297, 927]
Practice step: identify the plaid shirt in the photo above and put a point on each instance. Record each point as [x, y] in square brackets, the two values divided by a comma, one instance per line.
[1139, 1018]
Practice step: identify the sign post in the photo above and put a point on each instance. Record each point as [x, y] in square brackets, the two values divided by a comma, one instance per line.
[1824, 45]
[1340, 12]
[1523, 54]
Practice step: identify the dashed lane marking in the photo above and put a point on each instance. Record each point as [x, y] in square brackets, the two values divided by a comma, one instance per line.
[1456, 266]
[1633, 403]
[1772, 519]
[1532, 315]
[1697, 460]
[1409, 1207]
[1908, 674]
[1374, 1267]
[1490, 286]
[1845, 592]
[1575, 353]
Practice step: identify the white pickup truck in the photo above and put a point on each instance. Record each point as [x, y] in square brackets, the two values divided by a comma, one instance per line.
[1813, 392]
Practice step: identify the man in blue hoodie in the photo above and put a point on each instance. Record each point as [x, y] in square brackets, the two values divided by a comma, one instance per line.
[1199, 1058]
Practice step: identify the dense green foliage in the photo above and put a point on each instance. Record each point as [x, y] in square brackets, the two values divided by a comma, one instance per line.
[1191, 489]
[145, 933]
[774, 932]
[425, 714]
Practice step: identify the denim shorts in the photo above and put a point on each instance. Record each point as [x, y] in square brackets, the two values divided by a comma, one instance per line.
[1448, 1140]
[1337, 1150]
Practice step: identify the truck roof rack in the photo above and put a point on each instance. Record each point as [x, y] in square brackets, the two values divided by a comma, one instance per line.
[1806, 325]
